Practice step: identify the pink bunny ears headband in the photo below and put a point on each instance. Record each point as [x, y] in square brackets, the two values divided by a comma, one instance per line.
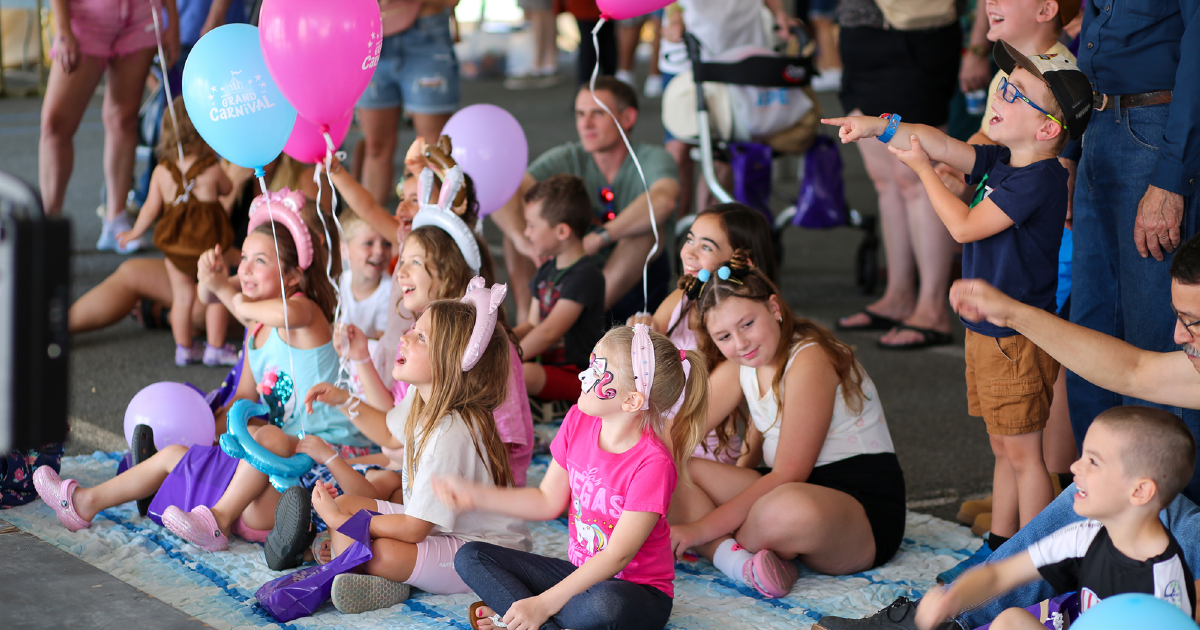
[283, 206]
[442, 216]
[487, 302]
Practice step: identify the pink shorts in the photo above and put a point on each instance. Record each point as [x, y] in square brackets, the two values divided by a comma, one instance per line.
[434, 571]
[112, 28]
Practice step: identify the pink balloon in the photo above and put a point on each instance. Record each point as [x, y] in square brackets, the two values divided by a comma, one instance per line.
[321, 53]
[625, 9]
[490, 146]
[177, 413]
[308, 145]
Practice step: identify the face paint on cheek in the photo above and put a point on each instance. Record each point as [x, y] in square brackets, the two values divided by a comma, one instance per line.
[597, 377]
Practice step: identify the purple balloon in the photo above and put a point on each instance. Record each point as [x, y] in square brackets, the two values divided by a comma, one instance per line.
[490, 146]
[177, 413]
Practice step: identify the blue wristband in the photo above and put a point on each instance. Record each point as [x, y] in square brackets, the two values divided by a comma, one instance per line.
[893, 125]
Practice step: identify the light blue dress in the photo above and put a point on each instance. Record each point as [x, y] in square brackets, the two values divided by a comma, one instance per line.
[312, 366]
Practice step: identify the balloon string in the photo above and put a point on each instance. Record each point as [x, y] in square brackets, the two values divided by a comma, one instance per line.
[636, 163]
[343, 360]
[162, 63]
[262, 184]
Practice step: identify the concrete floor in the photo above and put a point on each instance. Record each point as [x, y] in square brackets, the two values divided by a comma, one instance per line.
[944, 453]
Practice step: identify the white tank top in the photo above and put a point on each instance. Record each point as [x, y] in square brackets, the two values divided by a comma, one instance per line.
[849, 434]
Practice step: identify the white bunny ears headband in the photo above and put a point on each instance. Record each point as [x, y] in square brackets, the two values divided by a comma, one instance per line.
[441, 215]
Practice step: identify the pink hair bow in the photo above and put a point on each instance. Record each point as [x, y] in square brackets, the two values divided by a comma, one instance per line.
[642, 357]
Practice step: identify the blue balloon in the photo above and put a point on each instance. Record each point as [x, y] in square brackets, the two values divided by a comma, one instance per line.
[232, 100]
[284, 472]
[1137, 610]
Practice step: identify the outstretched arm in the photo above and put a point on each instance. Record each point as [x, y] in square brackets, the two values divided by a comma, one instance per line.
[966, 225]
[364, 205]
[976, 586]
[939, 146]
[542, 503]
[1168, 378]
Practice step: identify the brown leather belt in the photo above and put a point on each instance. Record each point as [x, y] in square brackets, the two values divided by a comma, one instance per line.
[1101, 102]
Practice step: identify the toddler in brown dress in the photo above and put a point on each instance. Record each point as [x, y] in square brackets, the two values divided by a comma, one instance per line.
[184, 192]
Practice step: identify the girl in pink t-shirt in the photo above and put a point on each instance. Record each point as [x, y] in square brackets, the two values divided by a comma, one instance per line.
[614, 471]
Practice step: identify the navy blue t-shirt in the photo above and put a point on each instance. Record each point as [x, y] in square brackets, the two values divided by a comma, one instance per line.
[1021, 261]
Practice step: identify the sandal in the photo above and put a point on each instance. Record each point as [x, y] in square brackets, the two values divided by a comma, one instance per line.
[321, 542]
[929, 338]
[874, 322]
[289, 538]
[141, 450]
[473, 619]
[144, 314]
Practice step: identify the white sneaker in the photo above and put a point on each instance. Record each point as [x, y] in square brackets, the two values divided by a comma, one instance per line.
[654, 86]
[627, 76]
[109, 232]
[828, 81]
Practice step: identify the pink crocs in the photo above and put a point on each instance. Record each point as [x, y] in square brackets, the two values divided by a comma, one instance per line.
[58, 494]
[198, 527]
[769, 574]
[240, 528]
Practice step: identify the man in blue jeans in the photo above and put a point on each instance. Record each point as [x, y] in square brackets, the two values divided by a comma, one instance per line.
[1134, 200]
[1171, 379]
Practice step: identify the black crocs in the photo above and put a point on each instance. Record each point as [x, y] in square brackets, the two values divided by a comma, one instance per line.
[140, 450]
[293, 531]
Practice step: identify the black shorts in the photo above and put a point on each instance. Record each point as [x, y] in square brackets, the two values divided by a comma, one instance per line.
[876, 482]
[911, 73]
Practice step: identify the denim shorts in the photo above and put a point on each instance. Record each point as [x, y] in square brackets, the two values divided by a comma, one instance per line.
[417, 70]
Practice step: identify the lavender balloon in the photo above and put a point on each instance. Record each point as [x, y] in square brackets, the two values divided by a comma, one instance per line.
[177, 413]
[490, 146]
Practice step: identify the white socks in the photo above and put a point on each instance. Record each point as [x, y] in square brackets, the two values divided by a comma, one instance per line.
[730, 558]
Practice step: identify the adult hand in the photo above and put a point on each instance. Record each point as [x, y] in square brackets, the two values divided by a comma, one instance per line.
[974, 73]
[66, 50]
[592, 244]
[1071, 166]
[527, 614]
[326, 393]
[316, 448]
[1156, 229]
[976, 300]
[455, 493]
[935, 607]
[915, 157]
[854, 128]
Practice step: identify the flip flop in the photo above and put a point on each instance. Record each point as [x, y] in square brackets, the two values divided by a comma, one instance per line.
[875, 322]
[929, 338]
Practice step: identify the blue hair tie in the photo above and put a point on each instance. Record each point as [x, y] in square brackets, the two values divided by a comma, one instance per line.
[703, 275]
[723, 272]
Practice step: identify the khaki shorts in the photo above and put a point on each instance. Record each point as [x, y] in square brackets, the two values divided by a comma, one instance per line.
[1010, 383]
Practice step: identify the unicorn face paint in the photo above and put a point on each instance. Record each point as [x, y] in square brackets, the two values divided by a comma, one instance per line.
[598, 377]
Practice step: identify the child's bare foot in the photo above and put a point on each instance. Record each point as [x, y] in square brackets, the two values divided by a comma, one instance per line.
[327, 508]
[481, 616]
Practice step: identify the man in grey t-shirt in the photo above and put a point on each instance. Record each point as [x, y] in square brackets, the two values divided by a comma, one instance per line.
[621, 230]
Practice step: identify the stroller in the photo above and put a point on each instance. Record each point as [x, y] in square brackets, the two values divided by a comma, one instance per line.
[775, 72]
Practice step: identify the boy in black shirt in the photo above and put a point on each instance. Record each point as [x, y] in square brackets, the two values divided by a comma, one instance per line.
[1135, 460]
[566, 318]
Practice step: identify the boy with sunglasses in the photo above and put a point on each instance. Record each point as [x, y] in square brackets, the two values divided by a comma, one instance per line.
[1011, 231]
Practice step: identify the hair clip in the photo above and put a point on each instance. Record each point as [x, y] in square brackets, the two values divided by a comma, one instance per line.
[683, 355]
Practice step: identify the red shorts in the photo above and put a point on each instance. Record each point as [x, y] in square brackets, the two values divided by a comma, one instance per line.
[562, 383]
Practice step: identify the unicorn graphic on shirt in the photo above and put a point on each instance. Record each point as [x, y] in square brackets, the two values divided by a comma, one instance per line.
[589, 535]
